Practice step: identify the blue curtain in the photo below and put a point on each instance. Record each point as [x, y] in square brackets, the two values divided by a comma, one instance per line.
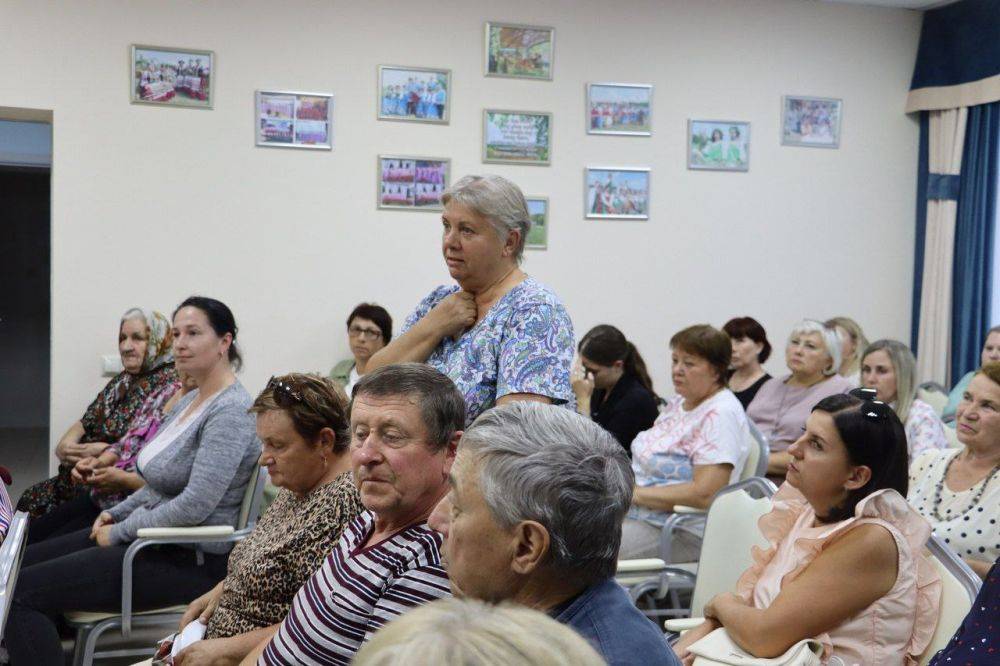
[959, 43]
[972, 272]
[921, 232]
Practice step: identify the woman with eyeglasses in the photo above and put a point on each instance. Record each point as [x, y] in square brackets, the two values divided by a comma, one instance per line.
[196, 471]
[369, 328]
[844, 562]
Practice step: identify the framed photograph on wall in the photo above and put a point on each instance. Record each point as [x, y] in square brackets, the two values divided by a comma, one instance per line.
[616, 193]
[538, 210]
[619, 108]
[811, 121]
[719, 145]
[412, 183]
[294, 119]
[416, 94]
[166, 76]
[517, 137]
[519, 51]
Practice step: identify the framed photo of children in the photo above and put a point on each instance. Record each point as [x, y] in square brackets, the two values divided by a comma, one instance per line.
[171, 77]
[517, 137]
[719, 145]
[619, 108]
[616, 193]
[538, 211]
[414, 93]
[519, 51]
[811, 121]
[412, 183]
[294, 120]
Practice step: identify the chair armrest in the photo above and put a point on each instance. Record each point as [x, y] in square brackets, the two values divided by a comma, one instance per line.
[680, 508]
[191, 533]
[683, 624]
[647, 565]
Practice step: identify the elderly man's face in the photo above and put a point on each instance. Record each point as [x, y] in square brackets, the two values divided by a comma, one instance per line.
[399, 474]
[477, 552]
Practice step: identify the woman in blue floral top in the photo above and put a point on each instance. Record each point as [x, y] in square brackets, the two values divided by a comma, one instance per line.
[499, 334]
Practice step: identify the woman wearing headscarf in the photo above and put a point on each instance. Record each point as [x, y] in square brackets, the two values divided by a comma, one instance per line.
[144, 340]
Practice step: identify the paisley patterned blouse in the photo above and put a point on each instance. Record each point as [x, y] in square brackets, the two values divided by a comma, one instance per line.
[524, 344]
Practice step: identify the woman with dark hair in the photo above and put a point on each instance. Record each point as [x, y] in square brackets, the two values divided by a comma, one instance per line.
[845, 564]
[369, 328]
[612, 385]
[750, 350]
[196, 471]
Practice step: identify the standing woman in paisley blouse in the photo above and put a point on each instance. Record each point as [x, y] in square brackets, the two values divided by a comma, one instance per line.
[499, 334]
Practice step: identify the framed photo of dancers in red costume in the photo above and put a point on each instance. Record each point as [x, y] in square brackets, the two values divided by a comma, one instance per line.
[412, 183]
[166, 76]
[294, 119]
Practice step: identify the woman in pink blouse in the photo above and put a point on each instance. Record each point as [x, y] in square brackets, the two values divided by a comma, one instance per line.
[844, 564]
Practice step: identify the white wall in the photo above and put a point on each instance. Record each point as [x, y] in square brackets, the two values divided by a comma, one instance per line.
[152, 204]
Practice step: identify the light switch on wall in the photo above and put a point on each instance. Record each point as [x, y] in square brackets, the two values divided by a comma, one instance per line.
[111, 364]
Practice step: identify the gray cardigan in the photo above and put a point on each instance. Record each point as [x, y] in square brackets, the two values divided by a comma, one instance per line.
[201, 478]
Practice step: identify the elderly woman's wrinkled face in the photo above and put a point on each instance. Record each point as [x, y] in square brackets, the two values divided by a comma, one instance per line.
[806, 355]
[991, 349]
[133, 338]
[694, 377]
[476, 550]
[291, 461]
[820, 468]
[977, 419]
[745, 352]
[401, 475]
[197, 347]
[878, 373]
[472, 250]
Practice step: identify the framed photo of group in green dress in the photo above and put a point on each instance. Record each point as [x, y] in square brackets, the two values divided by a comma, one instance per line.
[718, 145]
[519, 51]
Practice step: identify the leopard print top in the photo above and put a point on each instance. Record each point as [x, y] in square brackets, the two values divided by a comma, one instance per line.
[288, 544]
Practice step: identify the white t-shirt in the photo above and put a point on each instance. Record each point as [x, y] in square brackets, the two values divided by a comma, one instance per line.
[352, 379]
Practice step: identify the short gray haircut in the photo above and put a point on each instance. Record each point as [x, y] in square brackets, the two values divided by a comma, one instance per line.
[829, 336]
[498, 200]
[550, 465]
[442, 407]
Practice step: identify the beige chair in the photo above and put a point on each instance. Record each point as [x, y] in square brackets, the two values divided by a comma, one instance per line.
[11, 553]
[959, 587]
[951, 435]
[90, 626]
[934, 395]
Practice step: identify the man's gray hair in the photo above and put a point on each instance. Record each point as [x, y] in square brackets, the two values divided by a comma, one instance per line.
[498, 200]
[550, 465]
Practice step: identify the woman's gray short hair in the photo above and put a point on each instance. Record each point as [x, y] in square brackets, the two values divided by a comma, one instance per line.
[829, 336]
[499, 201]
[550, 465]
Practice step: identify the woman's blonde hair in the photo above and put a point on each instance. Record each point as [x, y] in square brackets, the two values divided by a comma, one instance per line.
[904, 367]
[853, 329]
[456, 632]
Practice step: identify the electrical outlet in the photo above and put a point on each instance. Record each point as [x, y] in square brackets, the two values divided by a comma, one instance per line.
[111, 364]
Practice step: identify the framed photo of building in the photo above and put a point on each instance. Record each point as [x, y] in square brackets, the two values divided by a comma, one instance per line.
[538, 211]
[294, 119]
[718, 145]
[412, 183]
[616, 193]
[813, 122]
[166, 76]
[416, 94]
[619, 108]
[517, 137]
[519, 51]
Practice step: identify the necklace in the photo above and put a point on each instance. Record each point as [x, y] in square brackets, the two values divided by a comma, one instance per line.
[975, 499]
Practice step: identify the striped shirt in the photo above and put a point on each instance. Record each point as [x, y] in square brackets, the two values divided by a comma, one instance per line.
[6, 511]
[356, 591]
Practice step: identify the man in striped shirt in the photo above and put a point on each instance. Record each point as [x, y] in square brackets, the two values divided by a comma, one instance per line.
[406, 421]
[6, 510]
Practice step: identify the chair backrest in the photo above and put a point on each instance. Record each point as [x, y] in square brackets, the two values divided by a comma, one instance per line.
[756, 464]
[730, 531]
[10, 562]
[959, 587]
[933, 397]
[250, 509]
[951, 435]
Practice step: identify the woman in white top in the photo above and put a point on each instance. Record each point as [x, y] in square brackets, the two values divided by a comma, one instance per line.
[958, 490]
[888, 367]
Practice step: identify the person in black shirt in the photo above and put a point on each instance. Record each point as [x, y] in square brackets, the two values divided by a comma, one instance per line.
[750, 350]
[612, 385]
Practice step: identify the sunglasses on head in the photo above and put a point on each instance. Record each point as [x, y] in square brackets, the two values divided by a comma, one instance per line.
[872, 409]
[283, 393]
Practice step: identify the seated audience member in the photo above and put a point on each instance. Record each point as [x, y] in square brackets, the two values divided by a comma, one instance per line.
[498, 333]
[976, 642]
[612, 385]
[406, 420]
[144, 341]
[852, 343]
[534, 515]
[958, 490]
[990, 354]
[844, 563]
[888, 367]
[305, 435]
[453, 632]
[698, 445]
[6, 509]
[196, 471]
[750, 350]
[782, 404]
[369, 328]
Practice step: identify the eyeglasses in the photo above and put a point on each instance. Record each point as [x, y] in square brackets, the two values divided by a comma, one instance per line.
[369, 333]
[284, 394]
[872, 409]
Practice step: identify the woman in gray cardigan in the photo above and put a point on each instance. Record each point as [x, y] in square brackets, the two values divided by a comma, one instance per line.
[196, 471]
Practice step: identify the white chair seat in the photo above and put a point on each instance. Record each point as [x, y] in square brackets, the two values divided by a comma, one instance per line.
[85, 617]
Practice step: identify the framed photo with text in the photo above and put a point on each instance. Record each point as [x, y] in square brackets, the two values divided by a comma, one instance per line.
[517, 137]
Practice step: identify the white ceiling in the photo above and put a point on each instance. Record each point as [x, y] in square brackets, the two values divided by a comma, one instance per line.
[899, 4]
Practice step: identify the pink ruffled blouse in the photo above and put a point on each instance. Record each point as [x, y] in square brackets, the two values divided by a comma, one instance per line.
[896, 628]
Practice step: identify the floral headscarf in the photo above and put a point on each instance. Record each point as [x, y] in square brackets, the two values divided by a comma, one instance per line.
[159, 337]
